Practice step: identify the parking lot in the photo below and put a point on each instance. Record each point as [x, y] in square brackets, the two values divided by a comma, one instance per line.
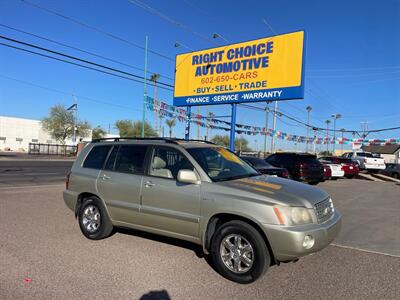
[43, 254]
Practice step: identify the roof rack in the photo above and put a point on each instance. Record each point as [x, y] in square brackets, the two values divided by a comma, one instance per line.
[167, 140]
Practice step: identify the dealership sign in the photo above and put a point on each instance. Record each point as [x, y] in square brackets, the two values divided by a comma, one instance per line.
[265, 69]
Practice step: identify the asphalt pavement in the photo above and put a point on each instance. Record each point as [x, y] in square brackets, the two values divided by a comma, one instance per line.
[43, 255]
[22, 172]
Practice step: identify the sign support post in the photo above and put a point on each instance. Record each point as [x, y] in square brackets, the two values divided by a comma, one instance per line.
[187, 127]
[233, 127]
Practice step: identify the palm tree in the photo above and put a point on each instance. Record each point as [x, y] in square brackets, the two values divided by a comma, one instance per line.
[170, 123]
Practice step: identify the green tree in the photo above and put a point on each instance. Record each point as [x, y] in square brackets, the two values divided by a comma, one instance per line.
[60, 124]
[98, 132]
[128, 128]
[223, 140]
[170, 123]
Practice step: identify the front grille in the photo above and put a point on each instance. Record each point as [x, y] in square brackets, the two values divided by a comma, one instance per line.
[324, 210]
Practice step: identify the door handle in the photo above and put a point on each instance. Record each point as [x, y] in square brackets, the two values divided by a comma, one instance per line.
[106, 177]
[149, 184]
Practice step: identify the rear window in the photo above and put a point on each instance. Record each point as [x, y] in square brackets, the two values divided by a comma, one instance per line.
[364, 154]
[256, 162]
[309, 159]
[345, 160]
[97, 157]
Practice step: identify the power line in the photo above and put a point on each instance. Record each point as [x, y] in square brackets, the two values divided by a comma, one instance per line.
[356, 69]
[78, 59]
[312, 126]
[68, 94]
[351, 75]
[78, 49]
[164, 17]
[75, 64]
[106, 33]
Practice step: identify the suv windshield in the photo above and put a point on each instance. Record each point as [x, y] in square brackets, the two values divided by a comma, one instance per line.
[220, 164]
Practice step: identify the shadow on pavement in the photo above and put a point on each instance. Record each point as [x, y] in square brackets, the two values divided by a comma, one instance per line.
[163, 239]
[156, 295]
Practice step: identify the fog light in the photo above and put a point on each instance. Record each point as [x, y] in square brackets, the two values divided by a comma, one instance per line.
[308, 242]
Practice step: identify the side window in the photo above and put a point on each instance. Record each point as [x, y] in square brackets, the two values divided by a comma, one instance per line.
[130, 159]
[111, 159]
[166, 162]
[272, 159]
[96, 157]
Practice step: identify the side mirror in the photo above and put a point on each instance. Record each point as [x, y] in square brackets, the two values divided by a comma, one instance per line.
[188, 176]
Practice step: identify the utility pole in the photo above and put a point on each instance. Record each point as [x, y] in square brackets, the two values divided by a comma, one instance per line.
[335, 117]
[198, 125]
[341, 148]
[327, 136]
[274, 128]
[266, 128]
[364, 128]
[74, 107]
[155, 78]
[309, 109]
[144, 85]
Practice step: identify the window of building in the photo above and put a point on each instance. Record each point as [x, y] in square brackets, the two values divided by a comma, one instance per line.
[97, 157]
[130, 159]
[19, 139]
[49, 142]
[35, 140]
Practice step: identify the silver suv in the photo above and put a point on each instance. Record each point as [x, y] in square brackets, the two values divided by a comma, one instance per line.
[203, 193]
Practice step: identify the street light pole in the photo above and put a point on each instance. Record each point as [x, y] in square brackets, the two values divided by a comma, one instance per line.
[341, 145]
[309, 109]
[274, 128]
[327, 137]
[335, 117]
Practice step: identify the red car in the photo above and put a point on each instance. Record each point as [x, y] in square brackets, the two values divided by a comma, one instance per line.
[327, 172]
[350, 167]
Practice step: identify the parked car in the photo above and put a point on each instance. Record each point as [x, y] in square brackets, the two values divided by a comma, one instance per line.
[392, 170]
[265, 168]
[366, 160]
[327, 172]
[336, 169]
[202, 193]
[350, 167]
[301, 166]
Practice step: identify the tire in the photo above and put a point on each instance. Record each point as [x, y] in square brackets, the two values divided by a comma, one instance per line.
[313, 182]
[395, 175]
[349, 176]
[251, 264]
[334, 178]
[93, 219]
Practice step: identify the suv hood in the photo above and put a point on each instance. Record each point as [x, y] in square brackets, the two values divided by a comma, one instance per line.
[278, 190]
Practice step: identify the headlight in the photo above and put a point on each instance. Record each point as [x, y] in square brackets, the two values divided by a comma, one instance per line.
[294, 215]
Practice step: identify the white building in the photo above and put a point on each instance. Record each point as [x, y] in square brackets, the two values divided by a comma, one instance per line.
[17, 133]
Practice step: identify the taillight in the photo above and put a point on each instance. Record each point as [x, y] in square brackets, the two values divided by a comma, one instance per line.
[285, 174]
[67, 180]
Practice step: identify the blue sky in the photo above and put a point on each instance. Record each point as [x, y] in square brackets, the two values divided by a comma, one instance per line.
[352, 57]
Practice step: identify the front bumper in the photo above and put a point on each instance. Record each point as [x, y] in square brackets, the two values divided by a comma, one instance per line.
[287, 241]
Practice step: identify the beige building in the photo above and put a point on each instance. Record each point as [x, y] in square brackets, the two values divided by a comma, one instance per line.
[17, 133]
[391, 153]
